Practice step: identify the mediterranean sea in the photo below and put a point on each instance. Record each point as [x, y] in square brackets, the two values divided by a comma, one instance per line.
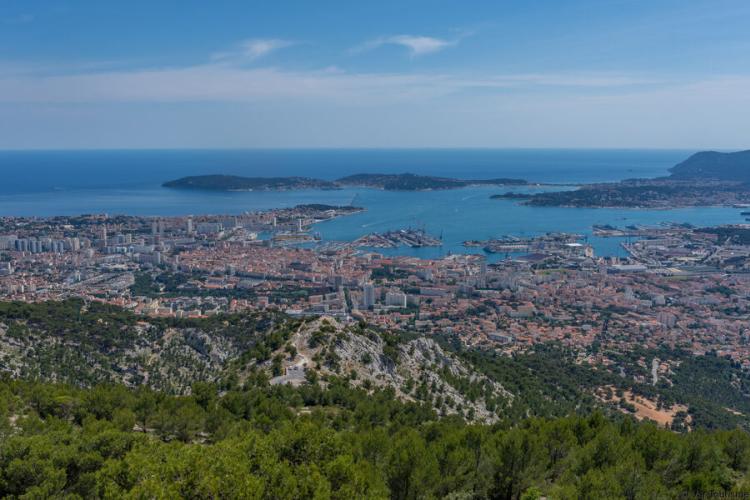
[45, 183]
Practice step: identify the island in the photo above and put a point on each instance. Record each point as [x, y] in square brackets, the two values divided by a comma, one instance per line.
[239, 183]
[707, 178]
[388, 182]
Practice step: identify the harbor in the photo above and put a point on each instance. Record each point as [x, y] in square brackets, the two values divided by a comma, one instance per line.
[413, 238]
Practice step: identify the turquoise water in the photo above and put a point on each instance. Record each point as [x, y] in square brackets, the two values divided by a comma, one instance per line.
[128, 182]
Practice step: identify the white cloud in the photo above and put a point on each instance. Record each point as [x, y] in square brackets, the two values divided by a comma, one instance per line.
[252, 49]
[417, 45]
[259, 48]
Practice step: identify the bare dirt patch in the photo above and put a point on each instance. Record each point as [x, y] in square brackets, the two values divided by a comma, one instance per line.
[644, 408]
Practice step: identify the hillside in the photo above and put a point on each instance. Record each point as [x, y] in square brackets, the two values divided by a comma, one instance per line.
[260, 441]
[712, 165]
[265, 406]
[85, 344]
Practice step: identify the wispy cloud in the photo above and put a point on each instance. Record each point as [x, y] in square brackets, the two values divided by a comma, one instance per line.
[229, 82]
[333, 107]
[583, 80]
[417, 45]
[252, 49]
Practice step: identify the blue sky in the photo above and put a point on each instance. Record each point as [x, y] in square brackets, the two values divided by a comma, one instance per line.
[577, 73]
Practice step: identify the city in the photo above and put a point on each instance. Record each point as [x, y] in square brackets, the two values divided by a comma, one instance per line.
[681, 287]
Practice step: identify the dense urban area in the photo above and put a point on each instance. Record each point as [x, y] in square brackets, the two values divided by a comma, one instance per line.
[682, 287]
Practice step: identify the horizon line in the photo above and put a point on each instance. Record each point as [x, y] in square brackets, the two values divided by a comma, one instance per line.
[374, 148]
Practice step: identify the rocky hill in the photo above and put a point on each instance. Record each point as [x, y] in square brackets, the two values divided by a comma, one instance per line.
[416, 369]
[86, 344]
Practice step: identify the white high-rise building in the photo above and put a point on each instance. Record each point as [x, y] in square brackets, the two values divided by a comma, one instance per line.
[396, 299]
[482, 274]
[368, 295]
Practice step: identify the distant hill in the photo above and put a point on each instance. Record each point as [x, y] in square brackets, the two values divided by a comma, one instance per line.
[414, 182]
[238, 183]
[714, 165]
[400, 182]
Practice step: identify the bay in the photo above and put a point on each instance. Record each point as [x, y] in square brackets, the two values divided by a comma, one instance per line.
[44, 183]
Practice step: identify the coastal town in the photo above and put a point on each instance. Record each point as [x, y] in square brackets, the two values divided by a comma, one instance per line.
[680, 286]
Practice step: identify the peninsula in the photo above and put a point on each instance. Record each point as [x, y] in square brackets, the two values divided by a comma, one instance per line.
[705, 179]
[414, 182]
[388, 182]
